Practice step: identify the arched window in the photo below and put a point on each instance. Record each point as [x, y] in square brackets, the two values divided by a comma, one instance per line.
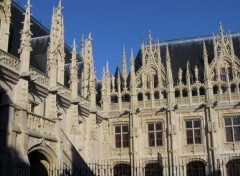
[147, 95]
[122, 169]
[126, 98]
[196, 168]
[185, 93]
[114, 99]
[215, 90]
[156, 95]
[177, 93]
[233, 167]
[153, 169]
[140, 97]
[202, 91]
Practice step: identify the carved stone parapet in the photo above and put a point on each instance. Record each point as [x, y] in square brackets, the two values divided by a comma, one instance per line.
[194, 148]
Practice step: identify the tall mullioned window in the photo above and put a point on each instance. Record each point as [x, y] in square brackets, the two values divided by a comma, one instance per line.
[193, 131]
[121, 136]
[155, 134]
[232, 127]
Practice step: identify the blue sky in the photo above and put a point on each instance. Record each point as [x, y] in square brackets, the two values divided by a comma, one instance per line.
[116, 23]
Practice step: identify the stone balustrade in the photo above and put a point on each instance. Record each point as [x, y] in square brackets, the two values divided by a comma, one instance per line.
[40, 124]
[9, 60]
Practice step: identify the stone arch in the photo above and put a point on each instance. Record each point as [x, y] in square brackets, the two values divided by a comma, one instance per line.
[196, 168]
[42, 158]
[153, 169]
[122, 169]
[233, 167]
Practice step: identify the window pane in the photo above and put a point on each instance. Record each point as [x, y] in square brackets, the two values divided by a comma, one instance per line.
[197, 124]
[158, 126]
[151, 127]
[189, 137]
[237, 133]
[151, 139]
[125, 140]
[228, 121]
[118, 140]
[125, 128]
[159, 139]
[118, 129]
[236, 121]
[197, 134]
[229, 136]
[188, 124]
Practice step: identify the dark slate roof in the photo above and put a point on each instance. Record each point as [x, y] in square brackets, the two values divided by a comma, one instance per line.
[188, 49]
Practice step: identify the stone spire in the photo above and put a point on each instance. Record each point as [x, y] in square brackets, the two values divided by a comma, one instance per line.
[56, 52]
[25, 46]
[149, 38]
[169, 79]
[74, 72]
[207, 74]
[168, 67]
[107, 69]
[132, 75]
[221, 30]
[124, 69]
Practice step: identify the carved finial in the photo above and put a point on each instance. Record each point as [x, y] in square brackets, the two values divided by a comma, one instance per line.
[205, 55]
[180, 75]
[107, 69]
[149, 37]
[113, 83]
[124, 64]
[196, 73]
[74, 53]
[188, 78]
[220, 29]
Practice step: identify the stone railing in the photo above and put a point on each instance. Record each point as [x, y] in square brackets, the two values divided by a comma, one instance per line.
[39, 76]
[74, 156]
[40, 124]
[9, 60]
[114, 106]
[126, 105]
[234, 96]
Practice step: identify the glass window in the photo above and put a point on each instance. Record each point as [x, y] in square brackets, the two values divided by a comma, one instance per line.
[155, 134]
[193, 131]
[232, 128]
[121, 136]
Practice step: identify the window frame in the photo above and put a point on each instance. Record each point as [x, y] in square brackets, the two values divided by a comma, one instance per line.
[123, 141]
[155, 142]
[193, 131]
[232, 127]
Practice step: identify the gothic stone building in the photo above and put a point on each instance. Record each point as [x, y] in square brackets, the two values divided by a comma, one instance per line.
[176, 112]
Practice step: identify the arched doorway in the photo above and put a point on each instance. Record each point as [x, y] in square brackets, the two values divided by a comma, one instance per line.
[39, 164]
[233, 167]
[196, 168]
[42, 160]
[153, 169]
[122, 170]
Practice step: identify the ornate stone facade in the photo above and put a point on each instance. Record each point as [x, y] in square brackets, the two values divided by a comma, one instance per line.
[165, 115]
